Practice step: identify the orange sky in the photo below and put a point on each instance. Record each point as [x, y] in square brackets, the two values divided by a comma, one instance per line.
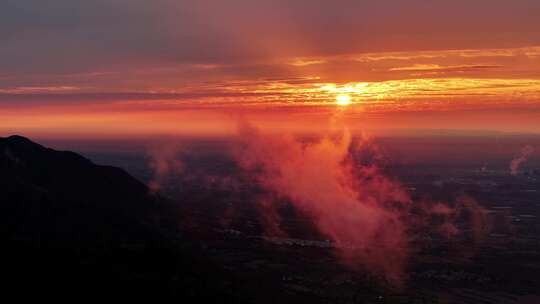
[281, 65]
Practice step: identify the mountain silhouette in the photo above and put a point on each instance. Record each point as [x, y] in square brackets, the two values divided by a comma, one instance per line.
[76, 229]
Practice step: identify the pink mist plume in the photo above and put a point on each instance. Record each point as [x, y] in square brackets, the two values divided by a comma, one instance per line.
[164, 161]
[521, 159]
[319, 180]
[366, 214]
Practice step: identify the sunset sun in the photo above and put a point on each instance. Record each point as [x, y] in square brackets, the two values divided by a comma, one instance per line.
[343, 100]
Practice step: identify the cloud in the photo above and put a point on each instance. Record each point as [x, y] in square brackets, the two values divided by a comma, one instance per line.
[335, 182]
[318, 181]
[165, 162]
[520, 159]
[39, 90]
[64, 35]
[306, 62]
[532, 52]
[367, 215]
[448, 54]
[440, 68]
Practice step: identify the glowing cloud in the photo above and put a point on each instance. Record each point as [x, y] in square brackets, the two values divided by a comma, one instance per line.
[319, 180]
[520, 159]
[367, 215]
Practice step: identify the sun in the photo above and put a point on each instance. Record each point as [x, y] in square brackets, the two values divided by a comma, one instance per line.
[343, 100]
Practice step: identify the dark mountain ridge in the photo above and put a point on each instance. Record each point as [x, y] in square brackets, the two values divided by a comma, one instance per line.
[51, 195]
[73, 228]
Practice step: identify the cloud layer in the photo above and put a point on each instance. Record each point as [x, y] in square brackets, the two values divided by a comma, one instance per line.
[369, 217]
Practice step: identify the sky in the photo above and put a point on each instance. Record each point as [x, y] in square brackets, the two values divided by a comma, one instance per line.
[109, 68]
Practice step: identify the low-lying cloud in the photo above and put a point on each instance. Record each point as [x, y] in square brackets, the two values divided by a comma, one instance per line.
[367, 215]
[520, 159]
[164, 162]
[335, 182]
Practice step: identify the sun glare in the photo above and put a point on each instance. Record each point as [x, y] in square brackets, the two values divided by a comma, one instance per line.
[343, 100]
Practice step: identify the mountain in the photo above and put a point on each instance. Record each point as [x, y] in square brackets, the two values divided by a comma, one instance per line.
[72, 228]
